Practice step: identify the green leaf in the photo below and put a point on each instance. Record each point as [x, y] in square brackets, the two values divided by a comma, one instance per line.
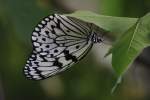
[116, 25]
[135, 37]
[130, 45]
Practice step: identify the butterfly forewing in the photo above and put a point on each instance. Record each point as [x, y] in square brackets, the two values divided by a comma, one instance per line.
[58, 42]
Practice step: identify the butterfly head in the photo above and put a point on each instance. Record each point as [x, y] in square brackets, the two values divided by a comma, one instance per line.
[95, 38]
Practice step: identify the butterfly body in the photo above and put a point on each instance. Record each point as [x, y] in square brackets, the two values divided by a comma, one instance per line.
[58, 43]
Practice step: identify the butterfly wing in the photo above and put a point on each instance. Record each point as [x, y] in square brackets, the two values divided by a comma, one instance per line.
[58, 42]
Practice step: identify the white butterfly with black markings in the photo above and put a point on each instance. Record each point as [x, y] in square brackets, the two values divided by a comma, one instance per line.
[58, 42]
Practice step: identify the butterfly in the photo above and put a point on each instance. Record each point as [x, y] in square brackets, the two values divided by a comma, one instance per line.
[60, 41]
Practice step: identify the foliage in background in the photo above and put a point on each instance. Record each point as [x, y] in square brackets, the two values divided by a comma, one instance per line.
[87, 80]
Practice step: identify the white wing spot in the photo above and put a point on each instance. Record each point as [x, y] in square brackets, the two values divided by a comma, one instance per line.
[51, 17]
[37, 29]
[43, 22]
[35, 34]
[45, 63]
[33, 38]
[40, 25]
[33, 73]
[47, 19]
[36, 44]
[47, 68]
[45, 73]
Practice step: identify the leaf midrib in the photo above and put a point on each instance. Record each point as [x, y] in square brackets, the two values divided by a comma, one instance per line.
[131, 41]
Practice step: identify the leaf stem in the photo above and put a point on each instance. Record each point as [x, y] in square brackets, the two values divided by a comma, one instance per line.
[119, 80]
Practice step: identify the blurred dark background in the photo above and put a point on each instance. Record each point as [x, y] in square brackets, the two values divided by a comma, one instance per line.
[90, 79]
